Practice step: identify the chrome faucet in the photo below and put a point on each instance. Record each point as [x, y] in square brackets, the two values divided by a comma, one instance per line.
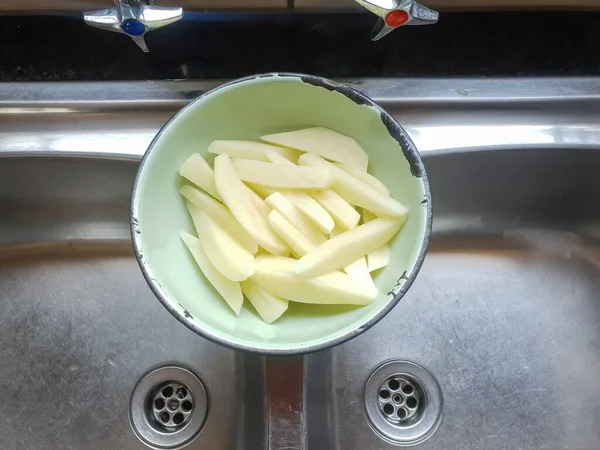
[134, 18]
[395, 13]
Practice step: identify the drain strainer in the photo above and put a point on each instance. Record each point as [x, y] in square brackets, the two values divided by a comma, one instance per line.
[168, 407]
[403, 402]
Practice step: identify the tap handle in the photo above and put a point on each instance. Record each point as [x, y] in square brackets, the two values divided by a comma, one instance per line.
[395, 13]
[133, 18]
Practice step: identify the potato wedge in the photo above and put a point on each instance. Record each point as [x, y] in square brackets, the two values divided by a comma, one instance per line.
[359, 270]
[283, 176]
[299, 243]
[379, 258]
[323, 142]
[219, 213]
[235, 196]
[224, 252]
[287, 209]
[365, 177]
[344, 215]
[250, 150]
[278, 158]
[229, 290]
[355, 191]
[345, 248]
[276, 275]
[311, 209]
[269, 307]
[198, 171]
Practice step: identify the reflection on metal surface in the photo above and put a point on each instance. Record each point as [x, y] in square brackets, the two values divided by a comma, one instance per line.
[118, 120]
[504, 312]
[457, 5]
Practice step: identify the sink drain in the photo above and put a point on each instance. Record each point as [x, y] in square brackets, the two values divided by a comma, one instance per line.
[403, 402]
[168, 407]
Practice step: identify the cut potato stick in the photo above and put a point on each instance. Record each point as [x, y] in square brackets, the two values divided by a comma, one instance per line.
[276, 275]
[287, 209]
[359, 270]
[225, 253]
[262, 191]
[197, 170]
[347, 247]
[379, 258]
[323, 142]
[219, 213]
[250, 150]
[229, 290]
[299, 243]
[344, 215]
[278, 158]
[283, 176]
[258, 202]
[355, 191]
[235, 195]
[269, 307]
[301, 200]
[311, 209]
[365, 177]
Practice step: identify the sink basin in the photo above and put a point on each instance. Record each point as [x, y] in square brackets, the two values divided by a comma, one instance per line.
[505, 314]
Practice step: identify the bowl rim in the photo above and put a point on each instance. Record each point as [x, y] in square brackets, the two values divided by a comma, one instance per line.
[410, 152]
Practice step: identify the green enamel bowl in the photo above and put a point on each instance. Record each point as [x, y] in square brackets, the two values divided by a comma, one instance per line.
[247, 109]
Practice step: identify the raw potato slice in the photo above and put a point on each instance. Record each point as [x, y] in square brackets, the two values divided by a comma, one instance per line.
[236, 198]
[359, 270]
[299, 244]
[347, 247]
[287, 209]
[229, 290]
[280, 176]
[278, 158]
[344, 215]
[323, 142]
[258, 202]
[197, 170]
[250, 150]
[357, 192]
[261, 191]
[269, 307]
[379, 258]
[219, 213]
[276, 275]
[311, 209]
[365, 177]
[225, 253]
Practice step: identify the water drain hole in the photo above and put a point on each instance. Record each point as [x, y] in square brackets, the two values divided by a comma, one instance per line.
[397, 399]
[411, 402]
[394, 385]
[388, 409]
[159, 403]
[181, 393]
[407, 389]
[164, 417]
[384, 394]
[167, 392]
[178, 418]
[402, 413]
[186, 406]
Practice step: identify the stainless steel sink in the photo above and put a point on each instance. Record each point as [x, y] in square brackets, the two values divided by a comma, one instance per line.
[505, 314]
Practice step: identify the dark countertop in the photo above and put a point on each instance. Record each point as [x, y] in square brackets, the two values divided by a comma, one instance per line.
[227, 46]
